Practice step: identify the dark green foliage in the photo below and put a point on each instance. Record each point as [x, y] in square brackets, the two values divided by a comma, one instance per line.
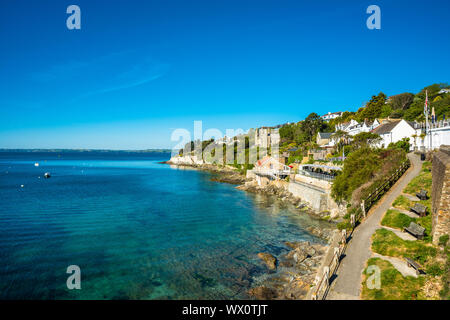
[402, 144]
[359, 168]
[373, 108]
[443, 240]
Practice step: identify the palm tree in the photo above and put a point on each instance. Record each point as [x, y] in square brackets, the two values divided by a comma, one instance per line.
[340, 138]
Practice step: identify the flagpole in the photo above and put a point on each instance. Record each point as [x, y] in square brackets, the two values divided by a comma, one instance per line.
[427, 130]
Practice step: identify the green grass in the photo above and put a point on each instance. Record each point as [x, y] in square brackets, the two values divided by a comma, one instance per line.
[393, 285]
[402, 203]
[387, 243]
[397, 220]
[422, 181]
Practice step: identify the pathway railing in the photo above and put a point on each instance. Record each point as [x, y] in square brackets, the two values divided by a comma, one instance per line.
[320, 176]
[322, 284]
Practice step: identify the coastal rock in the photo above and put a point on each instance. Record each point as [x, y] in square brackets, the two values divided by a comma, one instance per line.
[262, 293]
[268, 259]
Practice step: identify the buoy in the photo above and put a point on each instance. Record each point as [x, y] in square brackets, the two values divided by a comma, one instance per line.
[21, 185]
[36, 164]
[47, 175]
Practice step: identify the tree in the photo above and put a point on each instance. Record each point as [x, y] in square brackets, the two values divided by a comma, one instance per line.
[340, 138]
[402, 101]
[364, 139]
[373, 108]
[312, 124]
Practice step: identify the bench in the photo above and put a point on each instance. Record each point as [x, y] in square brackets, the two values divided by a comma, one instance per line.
[411, 263]
[420, 209]
[416, 230]
[422, 195]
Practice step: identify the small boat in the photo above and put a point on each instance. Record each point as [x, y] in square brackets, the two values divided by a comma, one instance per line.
[36, 164]
[47, 175]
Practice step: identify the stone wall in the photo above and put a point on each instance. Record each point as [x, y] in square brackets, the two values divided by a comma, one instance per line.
[440, 193]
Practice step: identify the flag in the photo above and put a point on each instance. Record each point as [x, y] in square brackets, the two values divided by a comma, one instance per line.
[433, 116]
[425, 111]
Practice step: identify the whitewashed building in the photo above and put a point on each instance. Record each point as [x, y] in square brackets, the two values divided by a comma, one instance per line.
[354, 127]
[392, 131]
[331, 115]
[438, 135]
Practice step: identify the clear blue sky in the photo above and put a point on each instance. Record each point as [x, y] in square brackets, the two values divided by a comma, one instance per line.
[139, 69]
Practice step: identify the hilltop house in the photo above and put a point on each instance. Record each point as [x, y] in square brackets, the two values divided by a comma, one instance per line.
[331, 115]
[354, 127]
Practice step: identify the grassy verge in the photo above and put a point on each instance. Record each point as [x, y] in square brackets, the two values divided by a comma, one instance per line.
[393, 285]
[421, 182]
[398, 220]
[387, 243]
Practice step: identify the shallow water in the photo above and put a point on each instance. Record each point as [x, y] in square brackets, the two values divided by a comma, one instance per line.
[136, 228]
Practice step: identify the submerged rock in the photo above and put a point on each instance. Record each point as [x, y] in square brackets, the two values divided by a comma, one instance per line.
[262, 293]
[268, 259]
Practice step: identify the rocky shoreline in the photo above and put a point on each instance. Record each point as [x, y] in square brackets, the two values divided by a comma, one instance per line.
[223, 174]
[292, 274]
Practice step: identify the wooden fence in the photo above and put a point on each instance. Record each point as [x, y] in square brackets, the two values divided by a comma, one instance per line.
[322, 283]
[379, 191]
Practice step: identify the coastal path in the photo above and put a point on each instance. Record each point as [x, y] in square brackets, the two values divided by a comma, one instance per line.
[347, 284]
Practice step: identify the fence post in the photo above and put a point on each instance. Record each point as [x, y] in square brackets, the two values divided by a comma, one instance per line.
[352, 220]
[344, 236]
[326, 275]
[363, 208]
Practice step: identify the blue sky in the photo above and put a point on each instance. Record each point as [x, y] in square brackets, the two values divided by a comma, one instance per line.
[137, 70]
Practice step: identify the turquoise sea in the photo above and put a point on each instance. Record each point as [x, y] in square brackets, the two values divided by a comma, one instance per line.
[137, 229]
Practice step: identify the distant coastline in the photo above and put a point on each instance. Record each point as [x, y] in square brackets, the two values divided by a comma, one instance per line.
[88, 150]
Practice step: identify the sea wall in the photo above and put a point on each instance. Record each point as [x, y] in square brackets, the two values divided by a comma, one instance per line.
[440, 193]
[318, 196]
[314, 196]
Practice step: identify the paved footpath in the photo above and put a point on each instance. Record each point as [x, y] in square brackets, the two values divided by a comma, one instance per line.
[347, 285]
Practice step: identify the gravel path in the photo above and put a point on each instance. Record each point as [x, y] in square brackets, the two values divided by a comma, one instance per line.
[347, 285]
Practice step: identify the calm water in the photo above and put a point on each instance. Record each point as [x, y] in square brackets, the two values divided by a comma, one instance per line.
[136, 228]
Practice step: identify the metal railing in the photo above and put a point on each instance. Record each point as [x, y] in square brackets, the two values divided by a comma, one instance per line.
[321, 176]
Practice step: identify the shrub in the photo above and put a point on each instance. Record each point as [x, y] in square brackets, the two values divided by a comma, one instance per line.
[443, 240]
[434, 270]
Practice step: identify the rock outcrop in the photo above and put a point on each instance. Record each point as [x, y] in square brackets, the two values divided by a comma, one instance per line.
[295, 273]
[269, 260]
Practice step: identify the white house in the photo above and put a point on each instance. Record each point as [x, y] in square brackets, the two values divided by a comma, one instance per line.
[440, 135]
[331, 115]
[395, 130]
[354, 127]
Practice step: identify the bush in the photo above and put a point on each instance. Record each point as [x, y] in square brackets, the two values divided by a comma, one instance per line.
[434, 270]
[443, 240]
[344, 225]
